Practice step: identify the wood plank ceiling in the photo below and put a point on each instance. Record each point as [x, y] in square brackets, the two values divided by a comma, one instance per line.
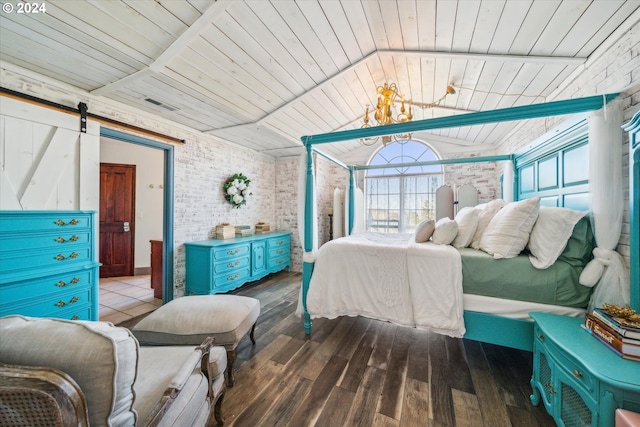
[264, 73]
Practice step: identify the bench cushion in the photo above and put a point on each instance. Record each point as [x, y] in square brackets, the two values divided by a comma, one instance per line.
[191, 319]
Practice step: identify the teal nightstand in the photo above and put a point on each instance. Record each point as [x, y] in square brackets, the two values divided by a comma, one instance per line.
[580, 381]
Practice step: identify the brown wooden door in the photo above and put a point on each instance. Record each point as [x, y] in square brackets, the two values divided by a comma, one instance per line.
[117, 213]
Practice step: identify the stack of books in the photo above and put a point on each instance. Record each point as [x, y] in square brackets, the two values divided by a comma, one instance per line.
[243, 230]
[225, 231]
[262, 228]
[615, 333]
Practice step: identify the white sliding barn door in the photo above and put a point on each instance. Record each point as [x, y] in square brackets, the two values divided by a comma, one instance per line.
[46, 162]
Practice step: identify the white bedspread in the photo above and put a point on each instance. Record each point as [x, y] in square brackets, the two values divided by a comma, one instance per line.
[389, 278]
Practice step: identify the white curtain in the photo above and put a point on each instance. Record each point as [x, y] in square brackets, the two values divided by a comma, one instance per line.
[507, 181]
[302, 189]
[606, 271]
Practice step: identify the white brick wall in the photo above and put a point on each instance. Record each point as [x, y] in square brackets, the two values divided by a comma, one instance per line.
[328, 177]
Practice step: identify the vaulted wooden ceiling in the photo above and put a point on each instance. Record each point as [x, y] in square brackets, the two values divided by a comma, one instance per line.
[263, 73]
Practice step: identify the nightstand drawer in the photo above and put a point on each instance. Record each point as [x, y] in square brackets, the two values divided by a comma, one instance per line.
[580, 374]
[52, 305]
[19, 291]
[230, 264]
[231, 252]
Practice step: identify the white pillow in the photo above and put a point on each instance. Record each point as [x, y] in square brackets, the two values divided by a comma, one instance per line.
[446, 230]
[424, 230]
[550, 234]
[508, 232]
[486, 215]
[467, 220]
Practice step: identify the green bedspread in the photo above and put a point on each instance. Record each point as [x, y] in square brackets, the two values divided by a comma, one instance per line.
[517, 279]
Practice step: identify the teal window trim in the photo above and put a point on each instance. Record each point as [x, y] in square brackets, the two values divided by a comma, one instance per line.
[168, 207]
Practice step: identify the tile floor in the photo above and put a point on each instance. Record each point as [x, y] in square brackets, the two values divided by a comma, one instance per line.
[123, 298]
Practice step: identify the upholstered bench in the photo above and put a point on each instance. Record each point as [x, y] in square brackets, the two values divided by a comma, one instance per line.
[190, 319]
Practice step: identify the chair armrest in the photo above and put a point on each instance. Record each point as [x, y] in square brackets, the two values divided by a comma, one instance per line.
[40, 396]
[172, 392]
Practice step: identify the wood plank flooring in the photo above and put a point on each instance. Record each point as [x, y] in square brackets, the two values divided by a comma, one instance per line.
[363, 372]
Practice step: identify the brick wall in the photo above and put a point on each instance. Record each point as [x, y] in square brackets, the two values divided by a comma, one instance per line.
[328, 177]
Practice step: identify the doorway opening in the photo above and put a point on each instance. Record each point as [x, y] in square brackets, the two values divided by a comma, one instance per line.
[166, 189]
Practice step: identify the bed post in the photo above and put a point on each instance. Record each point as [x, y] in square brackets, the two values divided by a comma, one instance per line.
[307, 259]
[352, 198]
[633, 128]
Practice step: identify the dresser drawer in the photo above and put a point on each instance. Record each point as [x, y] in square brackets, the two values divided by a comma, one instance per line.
[51, 258]
[51, 305]
[77, 312]
[278, 252]
[278, 263]
[226, 279]
[18, 291]
[63, 221]
[227, 252]
[278, 242]
[61, 240]
[230, 264]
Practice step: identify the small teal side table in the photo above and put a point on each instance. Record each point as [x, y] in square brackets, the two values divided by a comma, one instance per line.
[580, 381]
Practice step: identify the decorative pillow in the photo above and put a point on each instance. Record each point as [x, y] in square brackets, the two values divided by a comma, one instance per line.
[484, 218]
[467, 220]
[550, 234]
[100, 357]
[508, 232]
[424, 230]
[446, 230]
[579, 249]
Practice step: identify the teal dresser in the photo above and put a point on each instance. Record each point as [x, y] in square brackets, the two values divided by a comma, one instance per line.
[580, 381]
[48, 264]
[216, 266]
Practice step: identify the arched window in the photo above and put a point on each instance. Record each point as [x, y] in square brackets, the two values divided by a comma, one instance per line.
[398, 198]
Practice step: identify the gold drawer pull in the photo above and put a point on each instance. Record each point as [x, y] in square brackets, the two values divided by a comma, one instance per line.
[231, 251]
[541, 337]
[550, 387]
[232, 264]
[61, 257]
[577, 373]
[62, 283]
[279, 242]
[233, 277]
[71, 239]
[281, 251]
[71, 301]
[76, 317]
[280, 261]
[61, 223]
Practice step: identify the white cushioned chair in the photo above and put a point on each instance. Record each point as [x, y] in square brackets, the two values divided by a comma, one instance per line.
[120, 382]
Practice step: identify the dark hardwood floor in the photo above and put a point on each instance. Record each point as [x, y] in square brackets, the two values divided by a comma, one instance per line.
[363, 372]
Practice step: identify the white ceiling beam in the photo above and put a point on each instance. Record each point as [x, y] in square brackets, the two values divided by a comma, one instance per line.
[485, 57]
[172, 51]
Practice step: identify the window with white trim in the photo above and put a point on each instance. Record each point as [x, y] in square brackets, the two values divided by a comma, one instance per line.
[399, 198]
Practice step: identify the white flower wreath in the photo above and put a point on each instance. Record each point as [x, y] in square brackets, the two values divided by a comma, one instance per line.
[236, 190]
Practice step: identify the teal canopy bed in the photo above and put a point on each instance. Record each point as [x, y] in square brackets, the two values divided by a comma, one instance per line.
[491, 327]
